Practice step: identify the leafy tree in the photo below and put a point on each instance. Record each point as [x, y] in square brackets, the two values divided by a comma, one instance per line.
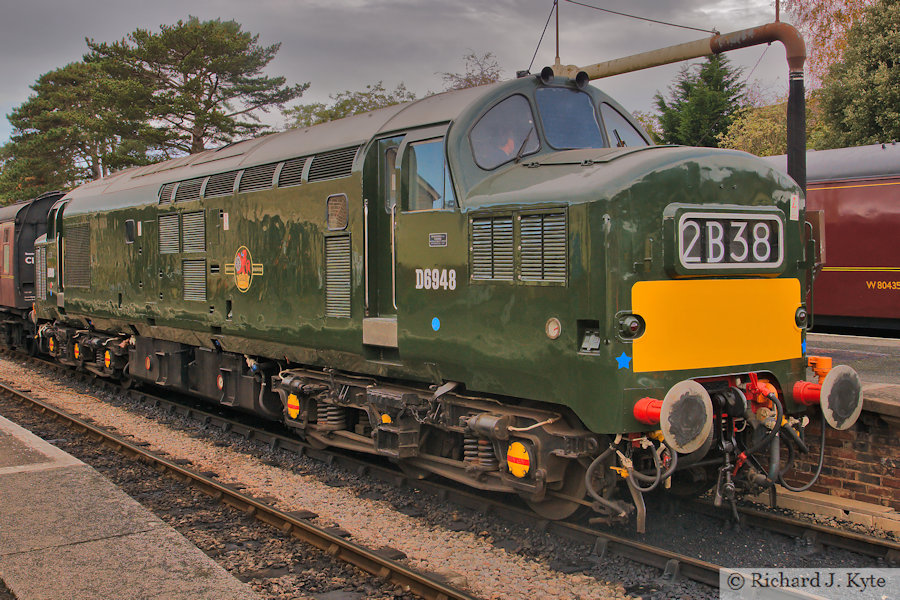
[78, 125]
[762, 130]
[480, 70]
[347, 103]
[203, 79]
[861, 94]
[650, 124]
[825, 24]
[702, 103]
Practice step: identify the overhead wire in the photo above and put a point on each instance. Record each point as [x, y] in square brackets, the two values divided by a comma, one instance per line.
[547, 24]
[766, 49]
[621, 14]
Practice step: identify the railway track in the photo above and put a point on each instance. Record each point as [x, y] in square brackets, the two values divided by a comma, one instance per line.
[603, 543]
[298, 526]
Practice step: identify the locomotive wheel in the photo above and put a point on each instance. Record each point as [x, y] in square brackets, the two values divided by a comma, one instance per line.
[126, 382]
[554, 508]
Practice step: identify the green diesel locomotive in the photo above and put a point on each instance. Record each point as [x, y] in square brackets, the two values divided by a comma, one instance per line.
[508, 286]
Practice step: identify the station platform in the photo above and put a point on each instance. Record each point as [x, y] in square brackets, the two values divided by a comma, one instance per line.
[877, 360]
[68, 532]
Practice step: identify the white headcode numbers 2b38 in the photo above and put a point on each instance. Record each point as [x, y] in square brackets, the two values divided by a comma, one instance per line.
[435, 279]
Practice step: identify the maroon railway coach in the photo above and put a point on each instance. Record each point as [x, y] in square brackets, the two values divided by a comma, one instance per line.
[858, 190]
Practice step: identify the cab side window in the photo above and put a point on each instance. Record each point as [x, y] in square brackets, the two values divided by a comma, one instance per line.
[621, 133]
[429, 182]
[504, 133]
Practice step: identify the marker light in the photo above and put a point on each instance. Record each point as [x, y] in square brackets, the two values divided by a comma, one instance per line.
[631, 327]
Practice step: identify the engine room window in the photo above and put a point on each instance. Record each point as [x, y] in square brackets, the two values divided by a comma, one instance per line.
[569, 119]
[503, 133]
[429, 186]
[129, 231]
[621, 133]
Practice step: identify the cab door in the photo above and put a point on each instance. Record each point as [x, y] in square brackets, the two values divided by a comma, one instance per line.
[431, 249]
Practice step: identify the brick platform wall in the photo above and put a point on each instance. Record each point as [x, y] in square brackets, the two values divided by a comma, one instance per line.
[861, 463]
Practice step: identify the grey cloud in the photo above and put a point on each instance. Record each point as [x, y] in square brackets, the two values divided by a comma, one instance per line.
[346, 44]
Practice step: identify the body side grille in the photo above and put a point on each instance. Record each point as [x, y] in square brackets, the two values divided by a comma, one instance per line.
[291, 172]
[189, 190]
[193, 232]
[543, 240]
[77, 260]
[492, 248]
[257, 178]
[194, 278]
[220, 184]
[332, 165]
[40, 265]
[337, 276]
[165, 193]
[168, 234]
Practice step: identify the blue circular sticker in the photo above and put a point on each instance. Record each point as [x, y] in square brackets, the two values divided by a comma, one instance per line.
[435, 323]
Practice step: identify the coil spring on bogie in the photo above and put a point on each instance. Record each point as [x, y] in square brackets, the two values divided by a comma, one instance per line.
[470, 451]
[479, 452]
[331, 416]
[486, 455]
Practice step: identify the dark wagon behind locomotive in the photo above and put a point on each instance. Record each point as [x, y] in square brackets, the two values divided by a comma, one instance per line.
[507, 286]
[858, 191]
[20, 225]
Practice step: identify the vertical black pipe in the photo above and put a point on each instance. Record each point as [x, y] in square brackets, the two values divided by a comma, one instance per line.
[796, 130]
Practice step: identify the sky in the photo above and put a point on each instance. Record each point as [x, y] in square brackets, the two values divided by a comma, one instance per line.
[338, 45]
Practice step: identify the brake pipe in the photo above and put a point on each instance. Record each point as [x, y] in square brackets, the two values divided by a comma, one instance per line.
[818, 472]
[742, 457]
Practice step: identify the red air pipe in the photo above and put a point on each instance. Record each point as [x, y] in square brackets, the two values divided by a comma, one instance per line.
[647, 411]
[807, 393]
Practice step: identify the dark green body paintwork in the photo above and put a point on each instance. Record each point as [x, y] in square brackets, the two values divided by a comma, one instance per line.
[488, 335]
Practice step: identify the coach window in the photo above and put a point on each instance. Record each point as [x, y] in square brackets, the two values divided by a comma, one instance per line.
[129, 231]
[621, 133]
[430, 187]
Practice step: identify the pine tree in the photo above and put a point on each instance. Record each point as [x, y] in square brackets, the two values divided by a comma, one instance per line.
[79, 124]
[204, 78]
[702, 103]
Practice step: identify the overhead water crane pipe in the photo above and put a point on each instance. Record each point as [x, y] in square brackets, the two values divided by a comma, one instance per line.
[795, 49]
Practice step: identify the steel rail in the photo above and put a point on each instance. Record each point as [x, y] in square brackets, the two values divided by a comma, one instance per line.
[672, 564]
[333, 545]
[816, 533]
[602, 543]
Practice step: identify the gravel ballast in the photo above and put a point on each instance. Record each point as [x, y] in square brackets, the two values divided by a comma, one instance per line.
[492, 557]
[465, 558]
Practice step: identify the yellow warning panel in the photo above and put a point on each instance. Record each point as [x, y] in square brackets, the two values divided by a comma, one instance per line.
[715, 323]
